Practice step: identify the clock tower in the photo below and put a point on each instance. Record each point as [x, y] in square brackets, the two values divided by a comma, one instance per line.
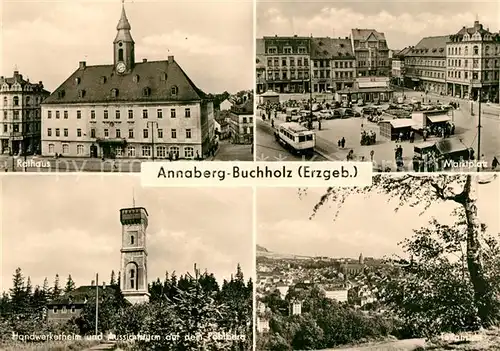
[133, 267]
[123, 46]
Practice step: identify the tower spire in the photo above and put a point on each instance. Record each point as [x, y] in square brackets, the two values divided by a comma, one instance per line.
[123, 24]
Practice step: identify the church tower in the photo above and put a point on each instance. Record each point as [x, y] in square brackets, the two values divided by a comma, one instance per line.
[123, 46]
[133, 268]
[361, 259]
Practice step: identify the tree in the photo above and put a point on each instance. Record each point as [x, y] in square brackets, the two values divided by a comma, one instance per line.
[112, 280]
[56, 290]
[70, 285]
[414, 190]
[18, 297]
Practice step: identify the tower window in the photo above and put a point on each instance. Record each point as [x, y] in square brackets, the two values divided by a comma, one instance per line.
[120, 54]
[136, 78]
[132, 279]
[174, 90]
[77, 80]
[103, 80]
[131, 240]
[81, 93]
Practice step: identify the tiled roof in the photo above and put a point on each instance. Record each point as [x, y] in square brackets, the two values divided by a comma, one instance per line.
[402, 53]
[147, 82]
[327, 48]
[80, 295]
[364, 34]
[18, 78]
[430, 46]
[260, 46]
[243, 109]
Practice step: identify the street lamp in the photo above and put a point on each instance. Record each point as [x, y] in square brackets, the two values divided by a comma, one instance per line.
[153, 123]
[479, 85]
[96, 303]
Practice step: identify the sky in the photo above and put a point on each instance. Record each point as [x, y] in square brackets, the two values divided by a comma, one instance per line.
[212, 40]
[403, 22]
[365, 225]
[71, 225]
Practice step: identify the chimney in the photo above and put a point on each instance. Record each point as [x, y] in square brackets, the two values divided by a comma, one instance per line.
[82, 65]
[144, 60]
[170, 59]
[92, 283]
[16, 74]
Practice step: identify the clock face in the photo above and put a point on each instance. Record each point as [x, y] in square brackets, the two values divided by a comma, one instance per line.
[120, 67]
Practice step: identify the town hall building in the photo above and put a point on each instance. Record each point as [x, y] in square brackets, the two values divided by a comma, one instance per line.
[128, 109]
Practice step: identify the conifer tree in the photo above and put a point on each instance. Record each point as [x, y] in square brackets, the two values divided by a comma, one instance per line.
[56, 290]
[70, 285]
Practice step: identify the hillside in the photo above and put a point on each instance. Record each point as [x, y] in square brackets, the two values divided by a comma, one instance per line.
[261, 249]
[263, 252]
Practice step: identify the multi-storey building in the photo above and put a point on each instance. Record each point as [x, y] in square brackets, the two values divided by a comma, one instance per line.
[398, 65]
[241, 122]
[473, 62]
[333, 64]
[425, 65]
[260, 67]
[20, 115]
[371, 51]
[287, 64]
[128, 109]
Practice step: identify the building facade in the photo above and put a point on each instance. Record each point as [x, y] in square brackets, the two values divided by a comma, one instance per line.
[241, 123]
[128, 110]
[20, 111]
[134, 255]
[473, 63]
[287, 64]
[372, 53]
[333, 64]
[425, 65]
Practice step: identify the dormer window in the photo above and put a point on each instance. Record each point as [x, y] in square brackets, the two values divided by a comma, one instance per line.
[136, 78]
[77, 80]
[103, 80]
[163, 76]
[146, 91]
[174, 90]
[114, 92]
[81, 93]
[61, 94]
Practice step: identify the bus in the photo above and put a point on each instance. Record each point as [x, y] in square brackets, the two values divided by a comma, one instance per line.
[296, 138]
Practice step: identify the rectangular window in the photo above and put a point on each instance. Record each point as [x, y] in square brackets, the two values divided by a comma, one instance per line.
[160, 133]
[188, 133]
[131, 133]
[118, 133]
[78, 114]
[92, 133]
[49, 131]
[58, 115]
[65, 114]
[105, 114]
[145, 133]
[106, 133]
[187, 113]
[66, 132]
[172, 113]
[49, 114]
[159, 113]
[92, 114]
[144, 113]
[57, 132]
[130, 114]
[174, 134]
[117, 114]
[78, 132]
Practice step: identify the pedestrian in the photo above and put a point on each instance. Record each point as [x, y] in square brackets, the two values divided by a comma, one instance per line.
[494, 163]
[338, 142]
[342, 142]
[424, 134]
[272, 122]
[372, 153]
[319, 125]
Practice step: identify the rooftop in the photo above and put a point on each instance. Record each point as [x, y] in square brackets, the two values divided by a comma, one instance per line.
[430, 46]
[80, 295]
[326, 48]
[365, 34]
[147, 82]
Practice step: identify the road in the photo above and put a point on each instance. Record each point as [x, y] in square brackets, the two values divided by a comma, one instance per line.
[270, 150]
[233, 152]
[398, 345]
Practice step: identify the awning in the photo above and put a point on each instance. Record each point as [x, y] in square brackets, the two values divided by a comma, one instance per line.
[439, 118]
[399, 123]
[446, 146]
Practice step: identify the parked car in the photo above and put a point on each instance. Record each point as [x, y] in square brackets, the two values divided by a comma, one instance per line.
[349, 112]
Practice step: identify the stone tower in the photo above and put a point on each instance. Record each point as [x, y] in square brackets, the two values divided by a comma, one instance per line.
[123, 46]
[133, 268]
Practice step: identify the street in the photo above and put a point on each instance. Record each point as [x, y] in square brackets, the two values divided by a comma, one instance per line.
[383, 150]
[270, 150]
[233, 152]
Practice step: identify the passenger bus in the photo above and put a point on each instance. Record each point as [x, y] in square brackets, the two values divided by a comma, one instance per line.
[295, 138]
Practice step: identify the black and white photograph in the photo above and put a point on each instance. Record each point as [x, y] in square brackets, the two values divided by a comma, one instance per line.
[409, 263]
[408, 86]
[99, 263]
[102, 86]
